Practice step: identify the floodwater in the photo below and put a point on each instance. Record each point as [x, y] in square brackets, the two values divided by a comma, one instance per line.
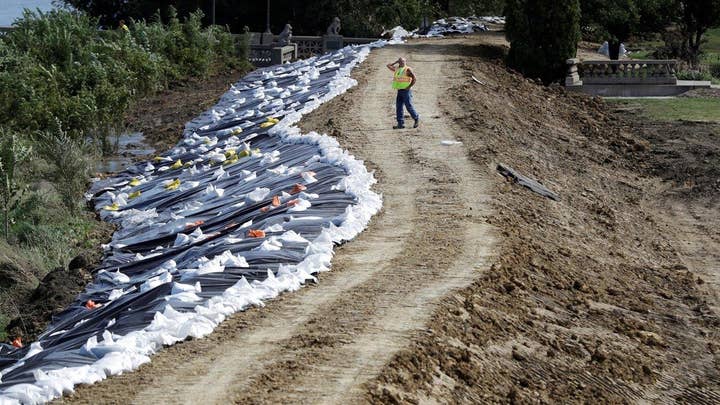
[131, 147]
[12, 9]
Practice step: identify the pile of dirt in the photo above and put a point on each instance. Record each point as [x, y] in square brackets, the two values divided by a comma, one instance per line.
[686, 154]
[589, 299]
[55, 292]
[702, 93]
[592, 298]
[17, 282]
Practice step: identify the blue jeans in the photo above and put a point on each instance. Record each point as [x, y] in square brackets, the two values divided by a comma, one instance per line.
[404, 98]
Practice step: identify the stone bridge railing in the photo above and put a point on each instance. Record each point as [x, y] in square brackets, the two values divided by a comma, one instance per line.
[621, 72]
[309, 46]
[261, 54]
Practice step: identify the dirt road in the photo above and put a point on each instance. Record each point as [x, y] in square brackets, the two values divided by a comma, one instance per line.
[324, 342]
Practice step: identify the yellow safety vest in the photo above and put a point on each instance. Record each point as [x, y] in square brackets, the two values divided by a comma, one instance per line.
[401, 81]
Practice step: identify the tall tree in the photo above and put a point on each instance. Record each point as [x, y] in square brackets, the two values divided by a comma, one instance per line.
[696, 17]
[474, 7]
[618, 20]
[110, 12]
[543, 34]
[309, 17]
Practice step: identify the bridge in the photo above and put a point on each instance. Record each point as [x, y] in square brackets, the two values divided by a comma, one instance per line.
[265, 49]
[628, 78]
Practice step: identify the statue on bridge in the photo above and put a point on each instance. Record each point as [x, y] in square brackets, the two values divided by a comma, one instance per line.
[334, 28]
[285, 36]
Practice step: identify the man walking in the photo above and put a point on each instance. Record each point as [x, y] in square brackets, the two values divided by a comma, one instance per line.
[403, 80]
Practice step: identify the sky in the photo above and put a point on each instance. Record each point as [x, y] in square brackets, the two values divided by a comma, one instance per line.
[12, 9]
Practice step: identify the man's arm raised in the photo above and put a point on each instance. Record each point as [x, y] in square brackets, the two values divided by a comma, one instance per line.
[412, 76]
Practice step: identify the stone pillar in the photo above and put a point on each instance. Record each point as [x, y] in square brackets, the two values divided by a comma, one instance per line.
[573, 78]
[267, 38]
[282, 54]
[332, 43]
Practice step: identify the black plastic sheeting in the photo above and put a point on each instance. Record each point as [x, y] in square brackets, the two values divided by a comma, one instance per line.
[533, 185]
[460, 25]
[243, 208]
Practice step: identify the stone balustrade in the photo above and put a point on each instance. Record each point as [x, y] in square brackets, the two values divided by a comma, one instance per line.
[260, 55]
[262, 50]
[308, 46]
[283, 54]
[621, 72]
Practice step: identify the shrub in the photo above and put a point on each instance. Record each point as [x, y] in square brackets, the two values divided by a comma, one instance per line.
[13, 153]
[187, 47]
[59, 66]
[714, 70]
[543, 34]
[71, 164]
[476, 7]
[694, 75]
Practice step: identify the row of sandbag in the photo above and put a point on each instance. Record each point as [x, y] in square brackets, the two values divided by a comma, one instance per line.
[242, 208]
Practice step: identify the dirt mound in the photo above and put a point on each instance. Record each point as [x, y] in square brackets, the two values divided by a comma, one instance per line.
[16, 283]
[55, 292]
[589, 299]
[711, 92]
[687, 154]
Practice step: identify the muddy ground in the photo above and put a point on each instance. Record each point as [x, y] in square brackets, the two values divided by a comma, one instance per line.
[162, 117]
[595, 298]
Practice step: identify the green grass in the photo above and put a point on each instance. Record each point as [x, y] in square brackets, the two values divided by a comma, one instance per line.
[643, 49]
[711, 47]
[3, 323]
[713, 40]
[642, 54]
[674, 109]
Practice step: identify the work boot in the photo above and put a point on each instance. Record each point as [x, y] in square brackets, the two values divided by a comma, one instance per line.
[399, 127]
[417, 123]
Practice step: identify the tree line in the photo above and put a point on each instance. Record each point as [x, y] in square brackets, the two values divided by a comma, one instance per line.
[308, 17]
[544, 33]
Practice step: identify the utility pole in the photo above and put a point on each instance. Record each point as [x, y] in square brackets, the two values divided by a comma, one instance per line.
[213, 12]
[267, 20]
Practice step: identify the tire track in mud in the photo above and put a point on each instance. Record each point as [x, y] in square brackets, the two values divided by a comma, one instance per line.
[323, 343]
